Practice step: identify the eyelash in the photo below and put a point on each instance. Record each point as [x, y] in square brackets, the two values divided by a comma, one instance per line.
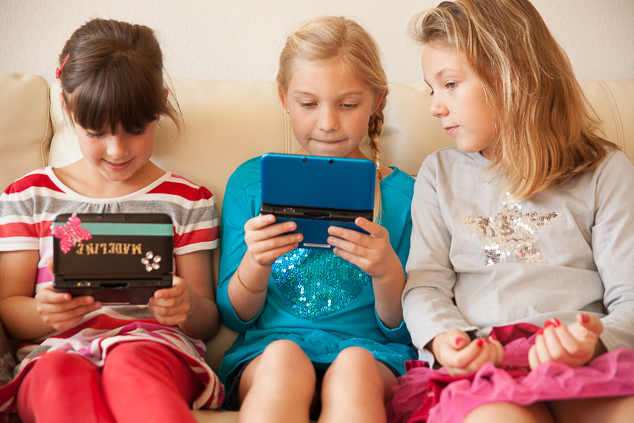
[345, 106]
[99, 135]
[448, 85]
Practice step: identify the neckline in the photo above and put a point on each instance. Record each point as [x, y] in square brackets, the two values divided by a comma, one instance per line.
[74, 194]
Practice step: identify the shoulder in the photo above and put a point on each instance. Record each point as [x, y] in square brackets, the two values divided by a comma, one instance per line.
[37, 180]
[175, 185]
[398, 185]
[247, 174]
[617, 159]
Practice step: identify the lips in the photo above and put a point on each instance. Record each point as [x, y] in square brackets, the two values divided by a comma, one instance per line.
[326, 141]
[451, 130]
[118, 166]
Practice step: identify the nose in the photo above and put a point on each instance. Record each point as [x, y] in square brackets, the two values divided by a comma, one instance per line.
[117, 145]
[328, 119]
[437, 107]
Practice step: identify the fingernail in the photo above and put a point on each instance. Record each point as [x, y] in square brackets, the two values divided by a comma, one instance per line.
[493, 337]
[480, 342]
[540, 331]
[556, 322]
[487, 340]
[585, 318]
[547, 323]
[458, 341]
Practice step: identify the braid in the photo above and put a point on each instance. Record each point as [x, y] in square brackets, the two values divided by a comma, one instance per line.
[375, 128]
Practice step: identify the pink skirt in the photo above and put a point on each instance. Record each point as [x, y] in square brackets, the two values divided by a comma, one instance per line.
[426, 395]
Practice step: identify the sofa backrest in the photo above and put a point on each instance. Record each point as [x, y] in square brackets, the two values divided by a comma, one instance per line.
[228, 122]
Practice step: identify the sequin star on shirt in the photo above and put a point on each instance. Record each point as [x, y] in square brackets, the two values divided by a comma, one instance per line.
[510, 232]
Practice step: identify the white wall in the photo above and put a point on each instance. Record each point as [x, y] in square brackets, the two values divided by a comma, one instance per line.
[241, 39]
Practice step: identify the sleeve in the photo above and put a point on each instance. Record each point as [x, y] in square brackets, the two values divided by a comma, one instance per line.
[236, 210]
[428, 305]
[18, 227]
[612, 236]
[196, 225]
[401, 246]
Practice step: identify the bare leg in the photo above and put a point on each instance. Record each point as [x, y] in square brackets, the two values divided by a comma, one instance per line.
[278, 386]
[604, 410]
[355, 388]
[510, 413]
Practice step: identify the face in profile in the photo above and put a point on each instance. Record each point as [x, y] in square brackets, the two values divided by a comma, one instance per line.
[459, 100]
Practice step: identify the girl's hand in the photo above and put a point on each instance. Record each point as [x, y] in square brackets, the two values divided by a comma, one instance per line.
[264, 244]
[60, 310]
[574, 345]
[459, 356]
[372, 253]
[171, 306]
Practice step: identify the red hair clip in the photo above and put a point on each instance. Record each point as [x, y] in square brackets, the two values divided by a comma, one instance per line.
[59, 70]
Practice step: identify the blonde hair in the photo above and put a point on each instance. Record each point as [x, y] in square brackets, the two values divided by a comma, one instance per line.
[332, 37]
[547, 132]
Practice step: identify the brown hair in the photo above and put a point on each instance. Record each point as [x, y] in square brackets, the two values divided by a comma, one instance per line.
[114, 75]
[331, 37]
[547, 132]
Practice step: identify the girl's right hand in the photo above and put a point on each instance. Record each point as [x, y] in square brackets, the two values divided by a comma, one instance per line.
[60, 310]
[458, 355]
[264, 239]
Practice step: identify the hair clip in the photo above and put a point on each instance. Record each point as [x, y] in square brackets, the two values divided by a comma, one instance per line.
[58, 71]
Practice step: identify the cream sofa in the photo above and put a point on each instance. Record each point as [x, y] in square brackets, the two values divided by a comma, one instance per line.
[228, 122]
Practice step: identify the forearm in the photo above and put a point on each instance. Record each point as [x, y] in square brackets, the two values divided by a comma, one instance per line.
[247, 288]
[387, 292]
[21, 319]
[203, 319]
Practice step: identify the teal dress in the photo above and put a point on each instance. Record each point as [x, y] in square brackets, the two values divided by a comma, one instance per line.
[314, 298]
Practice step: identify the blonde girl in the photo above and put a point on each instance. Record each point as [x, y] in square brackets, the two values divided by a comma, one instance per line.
[321, 332]
[519, 275]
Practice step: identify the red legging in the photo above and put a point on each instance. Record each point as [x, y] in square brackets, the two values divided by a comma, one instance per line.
[140, 381]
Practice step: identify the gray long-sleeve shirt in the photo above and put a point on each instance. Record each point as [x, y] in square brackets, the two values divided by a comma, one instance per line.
[478, 259]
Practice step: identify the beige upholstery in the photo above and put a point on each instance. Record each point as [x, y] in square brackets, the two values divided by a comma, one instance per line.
[228, 122]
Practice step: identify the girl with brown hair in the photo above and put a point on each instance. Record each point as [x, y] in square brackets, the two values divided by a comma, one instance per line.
[89, 361]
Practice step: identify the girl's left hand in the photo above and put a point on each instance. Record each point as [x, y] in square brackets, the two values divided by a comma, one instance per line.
[574, 345]
[171, 306]
[368, 252]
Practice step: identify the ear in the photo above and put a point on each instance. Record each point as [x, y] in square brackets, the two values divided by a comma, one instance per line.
[64, 108]
[280, 92]
[377, 102]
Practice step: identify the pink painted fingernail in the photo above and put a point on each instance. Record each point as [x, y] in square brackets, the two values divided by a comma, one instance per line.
[547, 323]
[540, 331]
[584, 318]
[556, 322]
[458, 341]
[480, 342]
[493, 337]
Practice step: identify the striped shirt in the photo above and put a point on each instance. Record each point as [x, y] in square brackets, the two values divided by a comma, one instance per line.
[27, 209]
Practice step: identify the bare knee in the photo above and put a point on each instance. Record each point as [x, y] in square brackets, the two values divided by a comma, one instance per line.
[605, 410]
[357, 368]
[285, 355]
[281, 362]
[510, 413]
[355, 360]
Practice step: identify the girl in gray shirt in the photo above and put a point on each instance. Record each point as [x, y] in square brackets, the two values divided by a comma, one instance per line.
[520, 274]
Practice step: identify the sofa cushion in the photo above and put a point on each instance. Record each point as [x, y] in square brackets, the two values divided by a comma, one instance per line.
[25, 130]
